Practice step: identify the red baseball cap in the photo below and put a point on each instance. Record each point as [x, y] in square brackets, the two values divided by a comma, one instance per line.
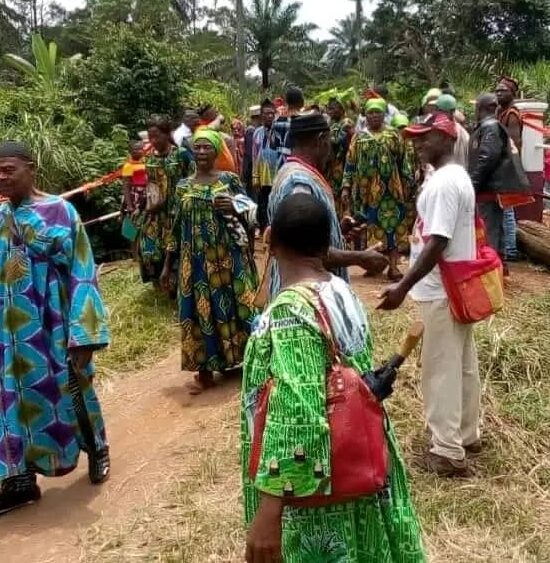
[435, 122]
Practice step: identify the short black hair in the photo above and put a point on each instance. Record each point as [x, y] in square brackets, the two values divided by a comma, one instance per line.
[382, 90]
[302, 224]
[335, 102]
[162, 122]
[294, 97]
[203, 109]
[267, 103]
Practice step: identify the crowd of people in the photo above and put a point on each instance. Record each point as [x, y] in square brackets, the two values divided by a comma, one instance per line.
[327, 188]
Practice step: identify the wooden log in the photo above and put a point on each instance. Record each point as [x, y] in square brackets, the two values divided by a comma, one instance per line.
[534, 241]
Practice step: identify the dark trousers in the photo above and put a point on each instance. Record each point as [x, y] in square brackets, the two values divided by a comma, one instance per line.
[263, 202]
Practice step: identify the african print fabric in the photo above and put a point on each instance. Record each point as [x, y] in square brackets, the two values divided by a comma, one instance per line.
[416, 178]
[155, 228]
[49, 303]
[281, 141]
[288, 346]
[298, 177]
[340, 136]
[217, 280]
[265, 158]
[381, 180]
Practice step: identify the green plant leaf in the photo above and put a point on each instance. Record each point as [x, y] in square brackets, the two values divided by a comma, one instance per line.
[21, 64]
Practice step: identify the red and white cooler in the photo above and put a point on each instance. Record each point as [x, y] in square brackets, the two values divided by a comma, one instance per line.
[532, 155]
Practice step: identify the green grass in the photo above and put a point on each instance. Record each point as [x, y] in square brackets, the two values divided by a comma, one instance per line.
[142, 321]
[501, 516]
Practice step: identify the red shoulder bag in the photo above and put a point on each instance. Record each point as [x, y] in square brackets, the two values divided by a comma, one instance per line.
[359, 453]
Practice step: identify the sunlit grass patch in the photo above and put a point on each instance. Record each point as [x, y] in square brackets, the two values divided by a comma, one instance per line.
[500, 516]
[142, 321]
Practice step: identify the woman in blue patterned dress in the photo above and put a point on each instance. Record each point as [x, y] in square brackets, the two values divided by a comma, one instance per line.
[217, 279]
[53, 321]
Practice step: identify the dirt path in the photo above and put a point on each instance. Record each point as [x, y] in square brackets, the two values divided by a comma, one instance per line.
[151, 421]
[154, 427]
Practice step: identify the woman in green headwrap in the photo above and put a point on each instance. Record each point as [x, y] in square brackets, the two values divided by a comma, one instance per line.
[378, 184]
[217, 279]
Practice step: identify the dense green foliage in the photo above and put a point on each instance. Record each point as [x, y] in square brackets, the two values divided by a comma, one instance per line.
[78, 95]
[128, 76]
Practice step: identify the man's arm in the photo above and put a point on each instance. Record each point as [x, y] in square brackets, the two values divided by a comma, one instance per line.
[491, 147]
[393, 297]
[370, 260]
[514, 130]
[426, 262]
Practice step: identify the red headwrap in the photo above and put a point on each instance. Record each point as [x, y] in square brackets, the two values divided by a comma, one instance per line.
[510, 83]
[370, 94]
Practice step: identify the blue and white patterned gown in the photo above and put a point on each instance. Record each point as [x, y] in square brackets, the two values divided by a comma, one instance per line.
[49, 303]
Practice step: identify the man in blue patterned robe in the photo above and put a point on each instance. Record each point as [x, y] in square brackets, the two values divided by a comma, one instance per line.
[53, 320]
[310, 137]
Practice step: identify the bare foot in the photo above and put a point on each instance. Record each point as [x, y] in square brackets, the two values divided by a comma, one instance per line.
[203, 381]
[394, 274]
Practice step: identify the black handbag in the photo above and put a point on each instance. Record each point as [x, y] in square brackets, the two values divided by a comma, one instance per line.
[510, 177]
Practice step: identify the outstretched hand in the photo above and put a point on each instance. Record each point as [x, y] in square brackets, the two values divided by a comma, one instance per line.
[372, 260]
[392, 297]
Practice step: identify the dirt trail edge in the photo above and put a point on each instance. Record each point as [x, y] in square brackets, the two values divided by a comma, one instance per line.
[149, 417]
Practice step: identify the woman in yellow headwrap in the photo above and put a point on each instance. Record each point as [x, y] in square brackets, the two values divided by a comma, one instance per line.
[378, 184]
[217, 279]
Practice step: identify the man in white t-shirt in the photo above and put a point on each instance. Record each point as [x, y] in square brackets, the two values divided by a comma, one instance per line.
[184, 133]
[445, 230]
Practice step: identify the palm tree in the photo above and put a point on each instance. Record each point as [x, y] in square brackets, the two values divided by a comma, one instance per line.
[342, 47]
[358, 31]
[346, 45]
[241, 45]
[274, 33]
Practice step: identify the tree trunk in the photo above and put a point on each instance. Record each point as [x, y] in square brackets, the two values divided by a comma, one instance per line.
[355, 50]
[34, 16]
[241, 63]
[265, 77]
[534, 240]
[358, 24]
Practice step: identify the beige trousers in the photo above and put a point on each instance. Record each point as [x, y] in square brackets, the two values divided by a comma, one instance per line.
[450, 381]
